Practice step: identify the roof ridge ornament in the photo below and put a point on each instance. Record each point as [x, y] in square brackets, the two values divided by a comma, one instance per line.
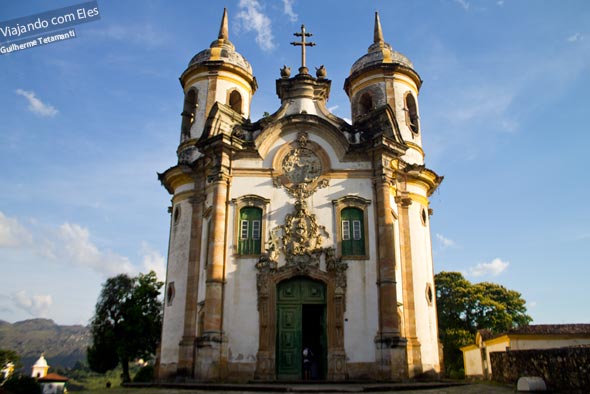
[303, 69]
[377, 31]
[223, 29]
[223, 36]
[378, 40]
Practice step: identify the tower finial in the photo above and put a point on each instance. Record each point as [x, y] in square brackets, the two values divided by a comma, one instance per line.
[223, 29]
[378, 33]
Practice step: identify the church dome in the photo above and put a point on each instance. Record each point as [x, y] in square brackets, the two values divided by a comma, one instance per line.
[222, 50]
[41, 362]
[380, 52]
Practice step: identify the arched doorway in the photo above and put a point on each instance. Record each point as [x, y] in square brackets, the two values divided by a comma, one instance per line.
[301, 322]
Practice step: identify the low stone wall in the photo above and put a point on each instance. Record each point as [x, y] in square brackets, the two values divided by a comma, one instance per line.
[565, 370]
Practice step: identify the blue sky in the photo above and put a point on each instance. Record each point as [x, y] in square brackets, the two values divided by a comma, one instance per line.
[85, 124]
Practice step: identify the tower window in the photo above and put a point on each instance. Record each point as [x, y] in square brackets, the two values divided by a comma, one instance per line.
[250, 229]
[412, 113]
[235, 101]
[188, 112]
[170, 293]
[353, 233]
[365, 104]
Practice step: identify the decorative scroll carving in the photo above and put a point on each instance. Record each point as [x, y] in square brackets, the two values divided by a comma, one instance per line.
[300, 170]
[299, 239]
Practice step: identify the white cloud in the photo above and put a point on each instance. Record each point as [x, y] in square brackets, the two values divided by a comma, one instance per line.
[71, 243]
[463, 3]
[288, 10]
[36, 106]
[251, 18]
[532, 304]
[12, 233]
[333, 108]
[153, 261]
[347, 120]
[500, 3]
[36, 305]
[79, 250]
[575, 37]
[445, 242]
[495, 267]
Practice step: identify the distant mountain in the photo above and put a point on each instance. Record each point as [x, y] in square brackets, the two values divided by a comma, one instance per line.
[63, 345]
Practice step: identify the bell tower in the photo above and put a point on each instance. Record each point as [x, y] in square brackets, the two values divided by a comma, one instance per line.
[382, 77]
[217, 74]
[383, 85]
[218, 86]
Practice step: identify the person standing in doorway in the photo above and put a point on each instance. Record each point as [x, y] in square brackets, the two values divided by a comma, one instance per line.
[307, 362]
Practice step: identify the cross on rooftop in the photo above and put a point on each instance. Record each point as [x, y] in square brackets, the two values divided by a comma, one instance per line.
[303, 44]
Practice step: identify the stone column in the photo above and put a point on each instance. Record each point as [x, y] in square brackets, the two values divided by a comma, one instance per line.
[186, 354]
[390, 345]
[211, 359]
[414, 352]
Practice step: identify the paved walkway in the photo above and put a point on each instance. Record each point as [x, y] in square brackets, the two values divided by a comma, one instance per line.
[414, 388]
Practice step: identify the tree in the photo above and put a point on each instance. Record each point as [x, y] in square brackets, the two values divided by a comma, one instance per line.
[127, 322]
[464, 308]
[9, 356]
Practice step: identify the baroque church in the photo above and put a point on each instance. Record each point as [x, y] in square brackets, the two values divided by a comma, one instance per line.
[299, 230]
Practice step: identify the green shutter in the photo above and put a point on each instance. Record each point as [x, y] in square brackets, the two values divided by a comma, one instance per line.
[250, 231]
[353, 232]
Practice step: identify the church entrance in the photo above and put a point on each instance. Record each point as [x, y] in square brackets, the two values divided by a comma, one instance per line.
[301, 323]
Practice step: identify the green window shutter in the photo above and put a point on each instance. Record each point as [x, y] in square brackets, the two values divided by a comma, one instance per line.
[353, 232]
[250, 231]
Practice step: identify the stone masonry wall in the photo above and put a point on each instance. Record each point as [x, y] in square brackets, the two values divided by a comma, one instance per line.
[565, 370]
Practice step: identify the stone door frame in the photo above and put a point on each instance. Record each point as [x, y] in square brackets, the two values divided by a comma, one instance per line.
[335, 282]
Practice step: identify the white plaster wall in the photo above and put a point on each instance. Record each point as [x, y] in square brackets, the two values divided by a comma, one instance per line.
[362, 311]
[376, 81]
[221, 95]
[240, 310]
[225, 86]
[422, 273]
[401, 86]
[203, 261]
[303, 105]
[413, 156]
[527, 344]
[497, 347]
[472, 361]
[185, 188]
[202, 87]
[176, 272]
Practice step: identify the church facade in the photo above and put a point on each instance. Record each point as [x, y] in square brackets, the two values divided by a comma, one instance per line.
[299, 230]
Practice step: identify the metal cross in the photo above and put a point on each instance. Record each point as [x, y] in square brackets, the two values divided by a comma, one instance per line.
[303, 44]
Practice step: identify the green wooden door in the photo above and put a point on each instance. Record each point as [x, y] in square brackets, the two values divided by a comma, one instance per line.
[289, 354]
[292, 295]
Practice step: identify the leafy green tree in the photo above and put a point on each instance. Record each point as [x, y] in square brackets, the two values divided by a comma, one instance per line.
[127, 322]
[10, 356]
[464, 308]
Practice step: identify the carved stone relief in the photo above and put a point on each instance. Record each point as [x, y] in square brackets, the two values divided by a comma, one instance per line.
[299, 240]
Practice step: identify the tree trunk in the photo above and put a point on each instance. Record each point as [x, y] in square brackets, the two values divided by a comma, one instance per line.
[125, 374]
